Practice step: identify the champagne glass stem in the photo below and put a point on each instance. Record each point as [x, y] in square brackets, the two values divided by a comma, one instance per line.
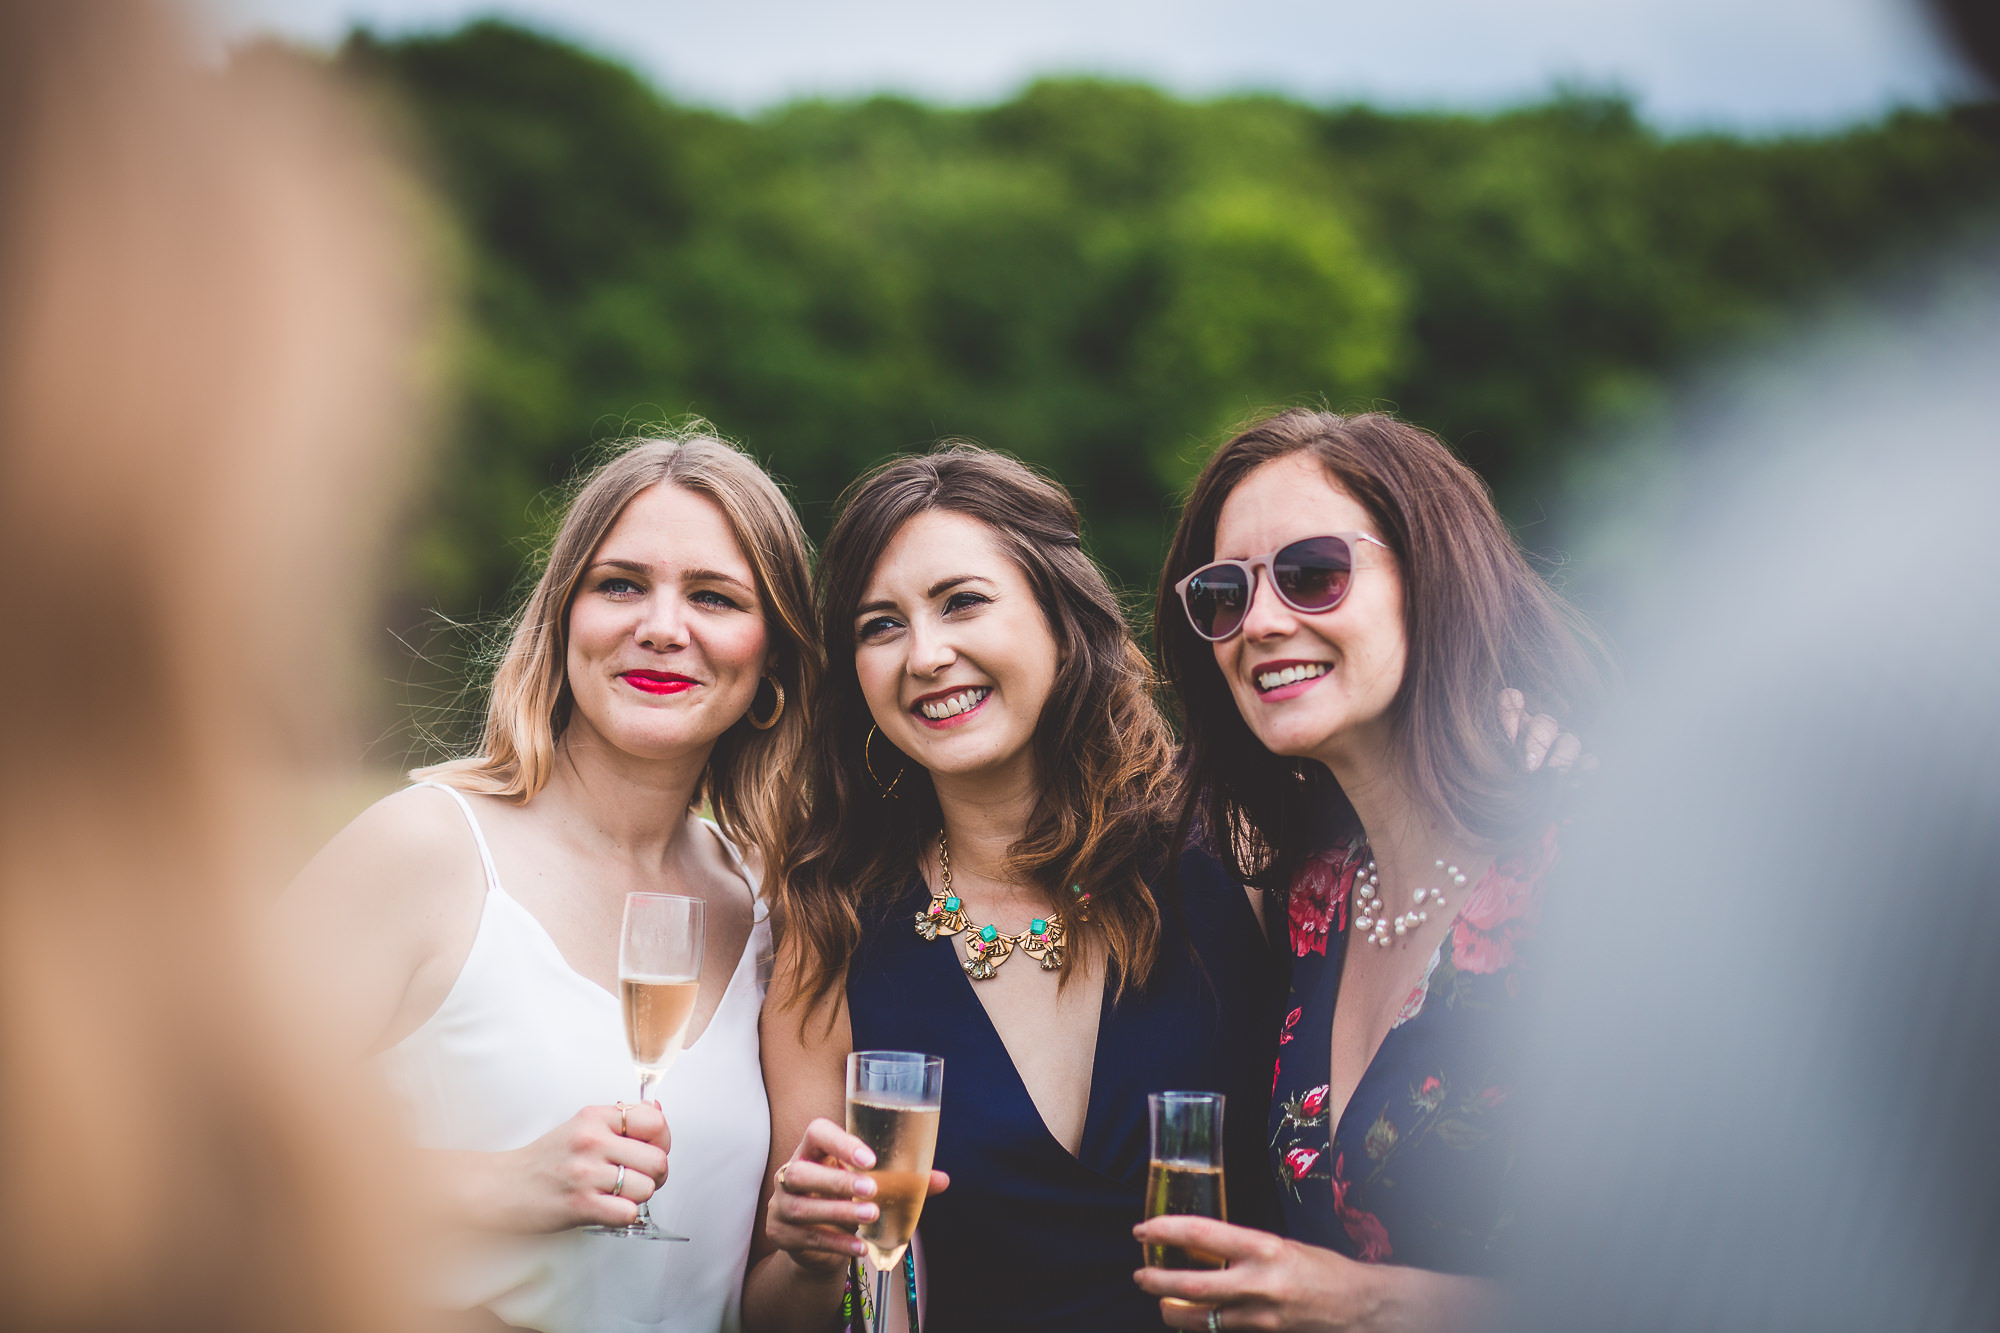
[645, 1218]
[881, 1299]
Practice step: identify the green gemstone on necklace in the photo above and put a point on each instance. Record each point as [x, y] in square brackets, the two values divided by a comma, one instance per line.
[1038, 926]
[951, 904]
[989, 934]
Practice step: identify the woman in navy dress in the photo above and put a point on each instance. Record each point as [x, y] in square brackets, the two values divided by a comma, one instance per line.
[988, 875]
[1340, 604]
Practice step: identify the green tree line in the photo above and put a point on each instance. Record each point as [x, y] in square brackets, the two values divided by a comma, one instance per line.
[1094, 275]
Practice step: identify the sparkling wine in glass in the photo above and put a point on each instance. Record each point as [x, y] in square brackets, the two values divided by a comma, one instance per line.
[893, 1100]
[659, 973]
[1185, 1174]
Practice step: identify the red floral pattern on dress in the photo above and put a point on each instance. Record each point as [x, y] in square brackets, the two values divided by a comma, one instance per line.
[1503, 910]
[1284, 1037]
[1370, 1237]
[1431, 1127]
[1318, 901]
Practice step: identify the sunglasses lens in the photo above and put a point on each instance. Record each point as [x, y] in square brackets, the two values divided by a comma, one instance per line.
[1313, 574]
[1216, 599]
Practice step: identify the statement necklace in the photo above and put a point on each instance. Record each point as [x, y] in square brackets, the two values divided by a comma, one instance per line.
[1372, 918]
[985, 946]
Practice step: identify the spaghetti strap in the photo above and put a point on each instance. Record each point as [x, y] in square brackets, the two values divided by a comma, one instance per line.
[478, 834]
[760, 907]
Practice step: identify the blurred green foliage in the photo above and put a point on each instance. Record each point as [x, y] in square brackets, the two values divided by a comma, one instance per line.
[1096, 276]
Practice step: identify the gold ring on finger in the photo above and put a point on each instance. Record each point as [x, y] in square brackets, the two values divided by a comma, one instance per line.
[621, 1120]
[1214, 1319]
[780, 1177]
[618, 1185]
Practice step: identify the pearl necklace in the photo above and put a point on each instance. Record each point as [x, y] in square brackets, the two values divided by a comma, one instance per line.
[1372, 918]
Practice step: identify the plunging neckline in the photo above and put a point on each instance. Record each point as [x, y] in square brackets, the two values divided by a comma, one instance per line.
[1092, 1108]
[758, 912]
[1338, 1121]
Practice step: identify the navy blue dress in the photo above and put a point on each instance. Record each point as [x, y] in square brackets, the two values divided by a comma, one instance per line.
[1029, 1236]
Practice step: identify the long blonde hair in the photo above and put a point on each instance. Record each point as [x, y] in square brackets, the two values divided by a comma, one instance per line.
[748, 781]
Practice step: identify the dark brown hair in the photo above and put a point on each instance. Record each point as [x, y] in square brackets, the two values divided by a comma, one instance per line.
[1478, 620]
[1103, 753]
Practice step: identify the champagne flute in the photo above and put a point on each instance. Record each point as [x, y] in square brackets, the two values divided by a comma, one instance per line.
[1185, 1174]
[893, 1100]
[659, 973]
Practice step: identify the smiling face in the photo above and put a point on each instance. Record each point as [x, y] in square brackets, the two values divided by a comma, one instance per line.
[954, 655]
[1312, 686]
[666, 631]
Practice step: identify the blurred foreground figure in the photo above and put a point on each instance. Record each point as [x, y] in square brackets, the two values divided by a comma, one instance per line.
[1774, 1037]
[1775, 1026]
[206, 309]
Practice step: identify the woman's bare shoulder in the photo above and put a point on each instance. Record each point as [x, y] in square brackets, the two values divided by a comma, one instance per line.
[386, 914]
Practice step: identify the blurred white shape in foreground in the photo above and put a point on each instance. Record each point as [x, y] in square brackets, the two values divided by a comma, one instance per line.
[1773, 1036]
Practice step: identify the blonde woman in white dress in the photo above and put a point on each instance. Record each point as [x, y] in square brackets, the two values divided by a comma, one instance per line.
[472, 919]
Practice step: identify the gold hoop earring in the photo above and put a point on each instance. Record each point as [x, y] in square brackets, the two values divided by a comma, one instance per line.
[777, 710]
[890, 788]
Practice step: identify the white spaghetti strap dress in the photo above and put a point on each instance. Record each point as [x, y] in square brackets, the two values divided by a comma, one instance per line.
[523, 1042]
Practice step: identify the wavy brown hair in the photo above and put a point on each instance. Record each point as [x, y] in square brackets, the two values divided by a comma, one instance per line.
[1478, 619]
[1103, 753]
[748, 779]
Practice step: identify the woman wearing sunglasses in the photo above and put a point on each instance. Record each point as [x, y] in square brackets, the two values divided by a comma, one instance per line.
[1340, 603]
[983, 877]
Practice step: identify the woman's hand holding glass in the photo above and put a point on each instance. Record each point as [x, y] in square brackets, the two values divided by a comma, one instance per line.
[822, 1195]
[1270, 1283]
[1276, 1284]
[566, 1177]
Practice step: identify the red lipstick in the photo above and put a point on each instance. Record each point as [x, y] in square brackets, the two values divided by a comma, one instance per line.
[658, 682]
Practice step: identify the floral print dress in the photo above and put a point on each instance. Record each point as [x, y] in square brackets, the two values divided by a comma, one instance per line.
[1416, 1171]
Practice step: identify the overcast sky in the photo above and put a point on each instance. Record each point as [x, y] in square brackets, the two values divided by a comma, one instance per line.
[1750, 64]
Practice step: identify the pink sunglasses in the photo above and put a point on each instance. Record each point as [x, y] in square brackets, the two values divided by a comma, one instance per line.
[1310, 575]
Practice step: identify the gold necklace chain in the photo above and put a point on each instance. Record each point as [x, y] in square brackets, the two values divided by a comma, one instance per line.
[986, 947]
